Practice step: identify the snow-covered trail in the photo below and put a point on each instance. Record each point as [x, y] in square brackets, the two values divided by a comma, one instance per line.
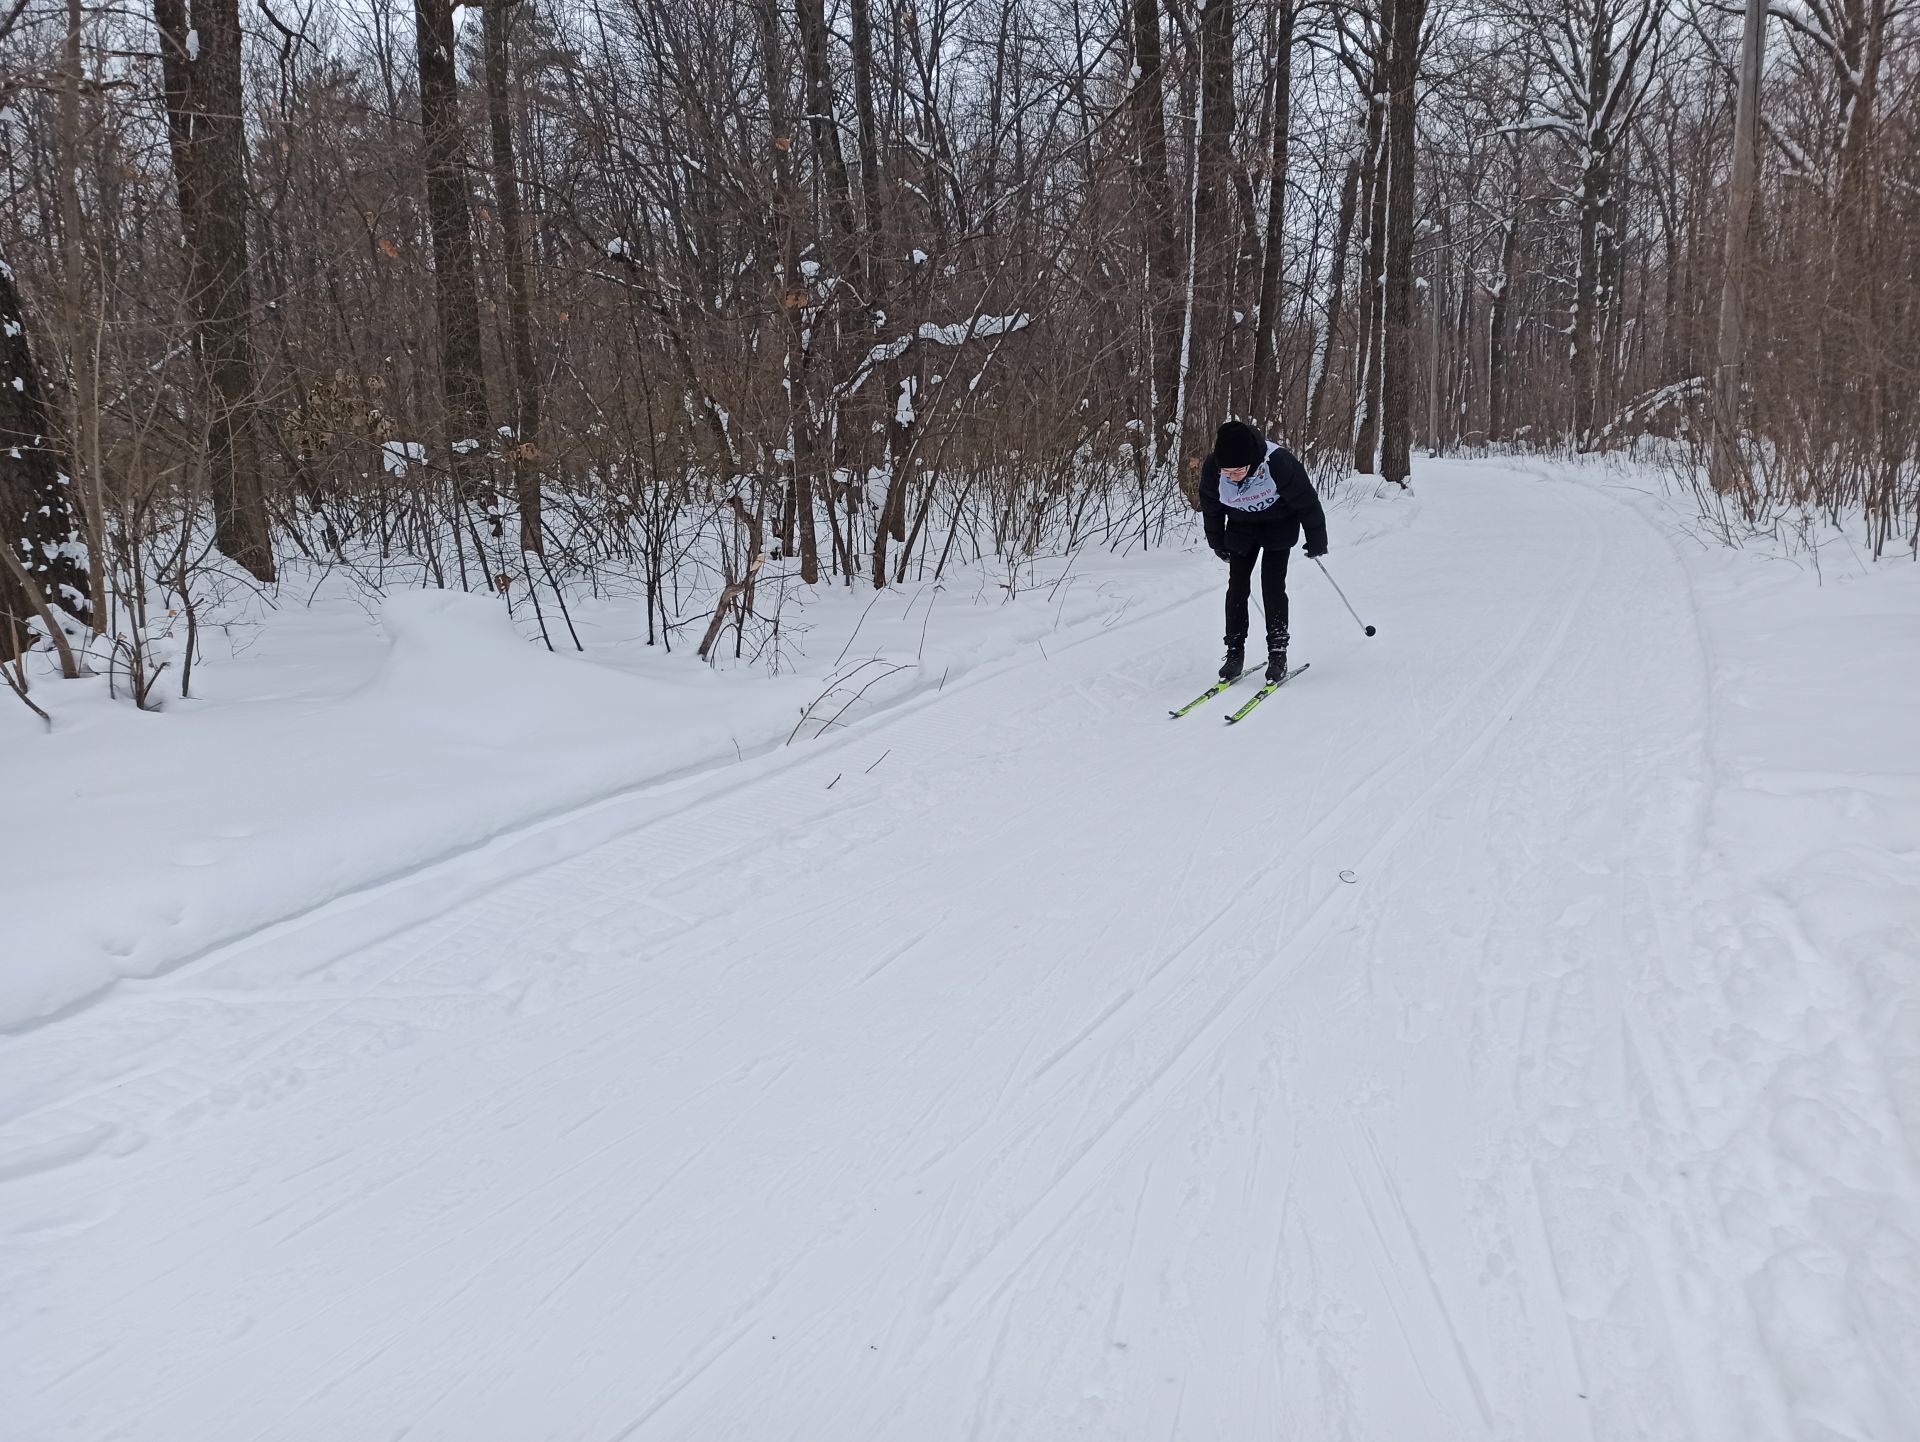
[1020, 1065]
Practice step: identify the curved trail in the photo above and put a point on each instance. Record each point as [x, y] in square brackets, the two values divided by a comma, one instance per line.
[1047, 1080]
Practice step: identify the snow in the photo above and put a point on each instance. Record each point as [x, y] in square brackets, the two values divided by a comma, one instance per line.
[396, 456]
[981, 327]
[1509, 1032]
[883, 354]
[331, 746]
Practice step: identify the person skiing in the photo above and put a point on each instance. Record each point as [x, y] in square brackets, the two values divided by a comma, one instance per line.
[1256, 499]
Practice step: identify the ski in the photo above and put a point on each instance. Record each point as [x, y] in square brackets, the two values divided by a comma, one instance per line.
[1265, 691]
[1207, 695]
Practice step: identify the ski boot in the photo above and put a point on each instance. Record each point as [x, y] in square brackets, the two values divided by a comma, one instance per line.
[1277, 655]
[1236, 661]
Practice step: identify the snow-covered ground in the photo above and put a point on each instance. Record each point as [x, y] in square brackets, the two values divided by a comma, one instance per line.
[1512, 1031]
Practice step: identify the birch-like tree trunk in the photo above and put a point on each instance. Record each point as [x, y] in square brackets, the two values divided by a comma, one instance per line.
[1366, 434]
[1727, 466]
[1499, 339]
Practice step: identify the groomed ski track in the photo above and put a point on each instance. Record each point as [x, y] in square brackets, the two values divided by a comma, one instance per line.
[1022, 1065]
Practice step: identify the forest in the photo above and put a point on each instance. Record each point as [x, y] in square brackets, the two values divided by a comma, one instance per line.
[546, 297]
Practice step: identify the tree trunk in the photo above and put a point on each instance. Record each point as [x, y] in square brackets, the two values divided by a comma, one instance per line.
[1396, 393]
[869, 133]
[206, 131]
[1214, 239]
[824, 126]
[1436, 309]
[795, 298]
[1727, 468]
[1596, 184]
[884, 273]
[38, 523]
[1148, 105]
[1367, 372]
[525, 451]
[455, 287]
[1336, 304]
[1498, 340]
[1262, 403]
[83, 431]
[1463, 363]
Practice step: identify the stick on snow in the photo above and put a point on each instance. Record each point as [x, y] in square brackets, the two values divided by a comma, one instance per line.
[1343, 597]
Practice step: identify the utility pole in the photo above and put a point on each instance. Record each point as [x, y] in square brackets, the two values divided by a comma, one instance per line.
[1727, 465]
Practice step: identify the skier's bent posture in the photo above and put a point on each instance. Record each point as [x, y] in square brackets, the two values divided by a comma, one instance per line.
[1256, 499]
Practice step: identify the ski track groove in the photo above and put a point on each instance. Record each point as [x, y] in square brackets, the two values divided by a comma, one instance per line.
[1364, 791]
[1380, 1255]
[1468, 1372]
[1235, 1004]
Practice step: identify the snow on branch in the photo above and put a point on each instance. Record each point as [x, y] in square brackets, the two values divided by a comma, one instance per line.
[1534, 124]
[952, 333]
[981, 327]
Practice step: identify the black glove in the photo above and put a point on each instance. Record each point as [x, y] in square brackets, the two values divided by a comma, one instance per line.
[1223, 554]
[1315, 552]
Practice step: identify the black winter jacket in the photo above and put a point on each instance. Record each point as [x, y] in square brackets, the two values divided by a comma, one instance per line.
[1262, 521]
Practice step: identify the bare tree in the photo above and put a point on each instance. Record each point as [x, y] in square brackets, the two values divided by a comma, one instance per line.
[1396, 397]
[1262, 402]
[1729, 465]
[45, 573]
[524, 451]
[1163, 266]
[1597, 63]
[861, 291]
[463, 382]
[206, 126]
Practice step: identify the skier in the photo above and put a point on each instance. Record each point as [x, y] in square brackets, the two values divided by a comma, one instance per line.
[1256, 499]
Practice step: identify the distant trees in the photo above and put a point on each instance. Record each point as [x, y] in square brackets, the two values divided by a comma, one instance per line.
[542, 291]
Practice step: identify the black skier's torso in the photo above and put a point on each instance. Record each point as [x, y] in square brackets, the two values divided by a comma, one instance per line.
[1246, 526]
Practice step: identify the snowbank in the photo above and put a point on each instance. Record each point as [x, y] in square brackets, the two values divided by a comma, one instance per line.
[329, 749]
[161, 835]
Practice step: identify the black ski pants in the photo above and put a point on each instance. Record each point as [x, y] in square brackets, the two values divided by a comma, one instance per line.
[1272, 559]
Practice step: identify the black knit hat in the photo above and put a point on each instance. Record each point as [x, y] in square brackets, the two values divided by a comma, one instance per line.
[1239, 444]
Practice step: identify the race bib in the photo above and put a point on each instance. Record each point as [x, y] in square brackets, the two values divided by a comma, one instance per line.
[1255, 493]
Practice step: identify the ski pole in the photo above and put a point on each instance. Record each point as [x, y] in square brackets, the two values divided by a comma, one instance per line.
[1342, 595]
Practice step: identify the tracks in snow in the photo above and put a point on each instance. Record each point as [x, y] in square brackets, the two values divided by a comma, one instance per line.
[865, 1109]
